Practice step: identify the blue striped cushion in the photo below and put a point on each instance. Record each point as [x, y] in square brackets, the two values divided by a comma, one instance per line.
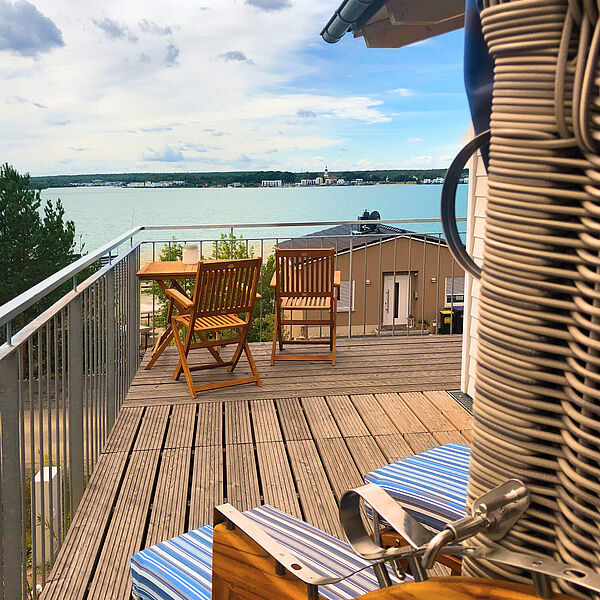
[432, 485]
[180, 568]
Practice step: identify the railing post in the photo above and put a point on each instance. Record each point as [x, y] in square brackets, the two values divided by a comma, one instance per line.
[133, 315]
[12, 551]
[111, 395]
[75, 359]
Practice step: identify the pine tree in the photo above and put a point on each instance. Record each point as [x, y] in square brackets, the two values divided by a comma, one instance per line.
[35, 239]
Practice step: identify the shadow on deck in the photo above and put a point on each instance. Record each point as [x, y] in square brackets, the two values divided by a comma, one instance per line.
[310, 433]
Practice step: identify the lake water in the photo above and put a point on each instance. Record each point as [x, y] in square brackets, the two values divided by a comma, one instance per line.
[101, 214]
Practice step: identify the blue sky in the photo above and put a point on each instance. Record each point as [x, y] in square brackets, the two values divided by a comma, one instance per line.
[227, 85]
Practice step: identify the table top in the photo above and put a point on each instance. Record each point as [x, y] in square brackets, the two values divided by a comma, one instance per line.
[169, 269]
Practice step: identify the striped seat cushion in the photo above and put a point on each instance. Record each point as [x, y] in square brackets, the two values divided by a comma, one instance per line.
[431, 486]
[180, 568]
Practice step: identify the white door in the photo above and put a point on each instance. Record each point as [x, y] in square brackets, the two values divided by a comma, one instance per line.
[395, 299]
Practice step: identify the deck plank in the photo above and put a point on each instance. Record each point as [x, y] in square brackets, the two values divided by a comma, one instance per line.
[319, 417]
[207, 485]
[278, 485]
[339, 465]
[373, 415]
[293, 423]
[242, 476]
[167, 517]
[238, 429]
[419, 442]
[450, 408]
[209, 430]
[124, 430]
[265, 422]
[401, 415]
[426, 412]
[394, 447]
[316, 498]
[366, 454]
[181, 426]
[347, 417]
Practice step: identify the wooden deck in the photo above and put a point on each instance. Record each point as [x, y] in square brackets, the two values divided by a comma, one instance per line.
[310, 433]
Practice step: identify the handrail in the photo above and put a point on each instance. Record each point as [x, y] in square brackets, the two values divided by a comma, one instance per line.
[291, 224]
[23, 301]
[50, 312]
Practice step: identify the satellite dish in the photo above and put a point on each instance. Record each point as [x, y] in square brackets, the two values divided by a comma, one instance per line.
[374, 216]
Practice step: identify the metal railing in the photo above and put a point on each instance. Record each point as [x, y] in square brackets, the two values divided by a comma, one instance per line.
[64, 374]
[63, 377]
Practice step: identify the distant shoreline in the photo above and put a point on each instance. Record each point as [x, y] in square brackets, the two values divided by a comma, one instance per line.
[239, 179]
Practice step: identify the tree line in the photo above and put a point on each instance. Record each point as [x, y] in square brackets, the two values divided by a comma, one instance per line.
[246, 178]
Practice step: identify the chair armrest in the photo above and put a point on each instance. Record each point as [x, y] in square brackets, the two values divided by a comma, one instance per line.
[337, 278]
[273, 280]
[181, 300]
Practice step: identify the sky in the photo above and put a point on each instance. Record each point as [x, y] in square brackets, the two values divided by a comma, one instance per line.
[218, 85]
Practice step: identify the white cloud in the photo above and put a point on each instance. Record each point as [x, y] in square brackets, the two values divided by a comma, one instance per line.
[413, 140]
[404, 92]
[424, 159]
[166, 154]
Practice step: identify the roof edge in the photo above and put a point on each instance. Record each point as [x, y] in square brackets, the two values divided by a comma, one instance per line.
[347, 16]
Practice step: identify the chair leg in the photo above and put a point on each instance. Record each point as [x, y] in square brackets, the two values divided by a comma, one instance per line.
[186, 349]
[160, 349]
[252, 364]
[238, 351]
[183, 360]
[275, 330]
[332, 329]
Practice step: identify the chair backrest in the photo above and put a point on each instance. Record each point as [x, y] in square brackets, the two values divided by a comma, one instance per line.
[226, 286]
[304, 272]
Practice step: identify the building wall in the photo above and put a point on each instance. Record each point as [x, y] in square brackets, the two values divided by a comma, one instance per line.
[478, 183]
[427, 289]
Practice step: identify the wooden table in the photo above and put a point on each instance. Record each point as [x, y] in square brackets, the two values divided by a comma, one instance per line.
[166, 274]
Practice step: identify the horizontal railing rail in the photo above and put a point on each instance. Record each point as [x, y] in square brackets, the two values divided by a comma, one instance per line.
[65, 372]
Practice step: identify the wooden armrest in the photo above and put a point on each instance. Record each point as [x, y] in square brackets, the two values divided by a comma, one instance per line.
[180, 299]
[273, 280]
[337, 278]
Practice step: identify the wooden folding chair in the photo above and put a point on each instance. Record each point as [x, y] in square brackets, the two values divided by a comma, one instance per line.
[304, 281]
[225, 289]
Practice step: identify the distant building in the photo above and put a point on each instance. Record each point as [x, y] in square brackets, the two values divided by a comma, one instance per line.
[341, 181]
[307, 182]
[438, 180]
[318, 181]
[426, 180]
[272, 183]
[357, 181]
[236, 184]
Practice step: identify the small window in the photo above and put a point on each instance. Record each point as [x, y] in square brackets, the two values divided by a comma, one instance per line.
[455, 291]
[346, 301]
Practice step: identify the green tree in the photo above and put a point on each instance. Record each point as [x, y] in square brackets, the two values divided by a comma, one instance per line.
[35, 238]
